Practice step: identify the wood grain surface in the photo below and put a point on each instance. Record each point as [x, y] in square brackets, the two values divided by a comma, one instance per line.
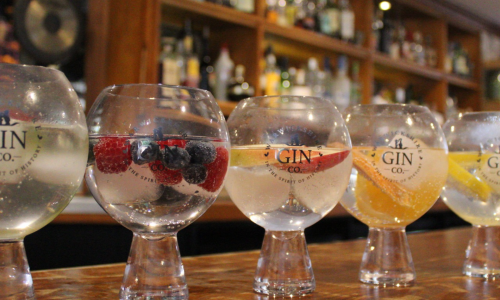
[438, 258]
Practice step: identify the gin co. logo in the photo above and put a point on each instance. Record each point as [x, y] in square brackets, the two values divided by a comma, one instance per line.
[489, 163]
[400, 159]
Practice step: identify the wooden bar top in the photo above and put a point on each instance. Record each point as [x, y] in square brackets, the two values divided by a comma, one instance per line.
[438, 258]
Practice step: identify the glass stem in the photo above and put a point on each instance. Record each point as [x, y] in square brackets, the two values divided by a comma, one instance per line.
[387, 259]
[284, 266]
[154, 269]
[483, 253]
[15, 276]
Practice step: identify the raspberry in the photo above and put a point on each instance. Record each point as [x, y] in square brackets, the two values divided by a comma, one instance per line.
[164, 175]
[216, 171]
[112, 155]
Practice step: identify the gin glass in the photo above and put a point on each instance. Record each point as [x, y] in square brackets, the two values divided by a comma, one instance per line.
[399, 168]
[290, 164]
[472, 190]
[43, 152]
[159, 159]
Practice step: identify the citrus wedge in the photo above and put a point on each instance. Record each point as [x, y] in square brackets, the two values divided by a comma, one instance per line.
[473, 184]
[392, 189]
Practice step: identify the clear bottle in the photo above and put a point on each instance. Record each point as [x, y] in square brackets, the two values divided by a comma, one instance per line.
[431, 58]
[327, 79]
[206, 68]
[247, 6]
[168, 67]
[312, 77]
[356, 87]
[341, 85]
[272, 74]
[223, 69]
[239, 89]
[191, 59]
[299, 87]
[329, 19]
[417, 48]
[347, 30]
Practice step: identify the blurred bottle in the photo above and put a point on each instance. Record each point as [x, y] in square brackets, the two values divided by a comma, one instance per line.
[313, 77]
[306, 15]
[377, 25]
[272, 74]
[327, 79]
[285, 76]
[341, 85]
[417, 48]
[272, 11]
[169, 72]
[223, 69]
[291, 12]
[386, 34]
[431, 58]
[356, 92]
[247, 6]
[207, 79]
[239, 89]
[191, 59]
[299, 87]
[347, 31]
[329, 19]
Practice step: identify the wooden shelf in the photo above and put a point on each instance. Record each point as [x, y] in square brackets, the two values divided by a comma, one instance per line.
[215, 11]
[405, 66]
[315, 39]
[465, 83]
[491, 65]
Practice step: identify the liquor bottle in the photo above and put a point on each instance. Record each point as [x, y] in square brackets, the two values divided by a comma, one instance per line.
[341, 85]
[272, 74]
[291, 12]
[385, 35]
[206, 69]
[377, 26]
[329, 19]
[430, 53]
[313, 78]
[192, 60]
[247, 6]
[169, 72]
[299, 87]
[327, 79]
[417, 48]
[307, 15]
[356, 86]
[347, 31]
[285, 76]
[223, 69]
[395, 48]
[272, 11]
[239, 89]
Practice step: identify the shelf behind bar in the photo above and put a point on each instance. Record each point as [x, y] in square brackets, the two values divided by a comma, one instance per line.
[215, 11]
[462, 82]
[316, 39]
[409, 67]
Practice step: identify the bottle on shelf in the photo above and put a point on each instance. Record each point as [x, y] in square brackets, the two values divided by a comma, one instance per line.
[347, 31]
[192, 62]
[356, 90]
[327, 79]
[396, 41]
[417, 48]
[168, 67]
[284, 75]
[329, 18]
[239, 89]
[306, 15]
[247, 6]
[299, 87]
[291, 12]
[313, 77]
[341, 85]
[272, 74]
[386, 34]
[223, 69]
[207, 79]
[377, 26]
[431, 57]
[272, 11]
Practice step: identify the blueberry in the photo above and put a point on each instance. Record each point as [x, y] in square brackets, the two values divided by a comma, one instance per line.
[175, 158]
[201, 152]
[194, 173]
[144, 152]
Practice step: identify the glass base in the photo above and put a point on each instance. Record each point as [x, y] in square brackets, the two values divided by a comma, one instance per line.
[15, 277]
[387, 259]
[284, 267]
[180, 293]
[483, 254]
[154, 270]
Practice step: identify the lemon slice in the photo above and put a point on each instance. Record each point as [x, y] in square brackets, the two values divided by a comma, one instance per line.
[479, 188]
